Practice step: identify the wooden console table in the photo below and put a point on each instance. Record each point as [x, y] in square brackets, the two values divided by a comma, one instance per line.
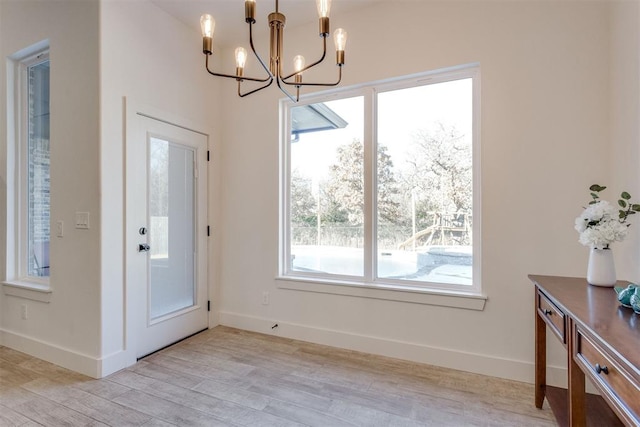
[602, 339]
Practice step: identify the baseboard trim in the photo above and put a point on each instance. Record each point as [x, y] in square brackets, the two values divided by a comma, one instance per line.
[60, 356]
[477, 363]
[115, 362]
[516, 370]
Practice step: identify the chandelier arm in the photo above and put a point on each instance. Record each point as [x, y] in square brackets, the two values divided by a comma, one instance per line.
[231, 76]
[319, 84]
[242, 95]
[285, 91]
[256, 53]
[324, 54]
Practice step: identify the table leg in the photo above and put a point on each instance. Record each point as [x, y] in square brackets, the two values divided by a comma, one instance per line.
[577, 394]
[541, 356]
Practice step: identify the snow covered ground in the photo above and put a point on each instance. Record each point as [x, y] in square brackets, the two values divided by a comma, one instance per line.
[441, 264]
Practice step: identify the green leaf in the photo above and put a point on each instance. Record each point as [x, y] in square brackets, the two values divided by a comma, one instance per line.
[636, 208]
[625, 195]
[631, 213]
[622, 214]
[622, 203]
[593, 202]
[597, 188]
[594, 195]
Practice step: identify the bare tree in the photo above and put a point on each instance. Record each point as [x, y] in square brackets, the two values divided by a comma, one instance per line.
[346, 184]
[304, 206]
[440, 168]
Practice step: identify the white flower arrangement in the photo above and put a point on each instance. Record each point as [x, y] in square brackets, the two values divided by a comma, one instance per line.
[601, 224]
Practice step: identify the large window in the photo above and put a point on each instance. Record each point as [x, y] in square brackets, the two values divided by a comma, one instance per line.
[33, 196]
[380, 183]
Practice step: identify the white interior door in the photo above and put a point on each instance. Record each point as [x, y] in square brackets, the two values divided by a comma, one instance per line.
[166, 232]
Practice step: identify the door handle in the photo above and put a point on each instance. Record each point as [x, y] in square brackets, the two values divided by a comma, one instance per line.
[143, 247]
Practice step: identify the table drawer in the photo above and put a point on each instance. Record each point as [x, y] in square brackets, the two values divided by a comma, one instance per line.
[553, 316]
[614, 381]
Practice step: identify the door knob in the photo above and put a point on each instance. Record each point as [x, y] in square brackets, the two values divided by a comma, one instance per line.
[143, 247]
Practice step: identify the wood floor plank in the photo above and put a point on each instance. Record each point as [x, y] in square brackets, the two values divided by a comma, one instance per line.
[209, 360]
[105, 389]
[387, 403]
[229, 377]
[407, 386]
[155, 422]
[44, 411]
[14, 375]
[167, 411]
[49, 370]
[15, 396]
[207, 403]
[12, 356]
[55, 391]
[367, 416]
[85, 403]
[280, 392]
[233, 394]
[130, 379]
[356, 380]
[193, 369]
[156, 372]
[303, 415]
[291, 381]
[219, 408]
[10, 418]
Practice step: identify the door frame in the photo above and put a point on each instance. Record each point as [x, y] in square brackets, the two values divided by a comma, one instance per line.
[133, 113]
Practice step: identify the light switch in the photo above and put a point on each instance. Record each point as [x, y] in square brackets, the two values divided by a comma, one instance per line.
[82, 220]
[59, 228]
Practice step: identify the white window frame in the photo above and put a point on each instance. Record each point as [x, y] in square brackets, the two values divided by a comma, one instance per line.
[370, 285]
[18, 282]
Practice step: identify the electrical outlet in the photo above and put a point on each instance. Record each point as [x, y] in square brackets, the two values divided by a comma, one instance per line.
[265, 298]
[23, 311]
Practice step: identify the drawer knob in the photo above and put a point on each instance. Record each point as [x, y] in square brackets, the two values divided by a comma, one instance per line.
[600, 369]
[547, 312]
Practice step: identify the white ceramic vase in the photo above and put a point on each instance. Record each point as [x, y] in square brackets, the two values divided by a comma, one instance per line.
[601, 270]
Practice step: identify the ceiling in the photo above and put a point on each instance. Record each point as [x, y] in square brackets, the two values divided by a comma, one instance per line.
[231, 29]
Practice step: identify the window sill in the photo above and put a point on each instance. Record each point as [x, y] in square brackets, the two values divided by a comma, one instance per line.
[28, 290]
[410, 294]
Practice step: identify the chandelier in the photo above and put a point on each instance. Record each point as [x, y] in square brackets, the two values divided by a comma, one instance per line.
[276, 48]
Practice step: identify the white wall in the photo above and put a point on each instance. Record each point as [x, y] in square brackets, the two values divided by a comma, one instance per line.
[154, 60]
[545, 132]
[66, 330]
[625, 126]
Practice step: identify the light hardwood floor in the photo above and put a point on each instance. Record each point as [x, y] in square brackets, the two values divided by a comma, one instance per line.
[228, 377]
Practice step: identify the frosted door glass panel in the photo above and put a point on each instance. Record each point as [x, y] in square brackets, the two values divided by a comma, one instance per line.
[171, 228]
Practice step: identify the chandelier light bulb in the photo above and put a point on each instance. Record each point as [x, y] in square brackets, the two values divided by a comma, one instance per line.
[324, 7]
[340, 39]
[241, 57]
[298, 63]
[208, 25]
